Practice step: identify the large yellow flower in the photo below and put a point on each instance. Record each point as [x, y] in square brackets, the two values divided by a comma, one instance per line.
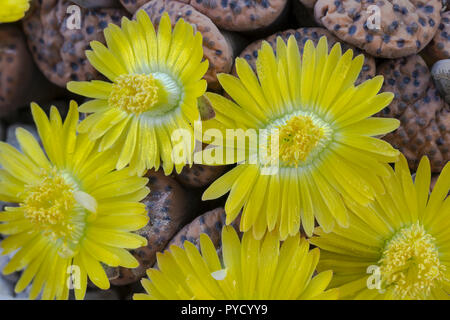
[74, 211]
[156, 79]
[396, 247]
[326, 145]
[13, 10]
[251, 269]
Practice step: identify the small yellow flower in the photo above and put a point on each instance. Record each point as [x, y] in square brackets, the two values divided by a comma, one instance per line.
[74, 211]
[251, 269]
[327, 145]
[156, 79]
[13, 10]
[396, 247]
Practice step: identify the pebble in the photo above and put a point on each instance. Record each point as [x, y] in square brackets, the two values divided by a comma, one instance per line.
[441, 76]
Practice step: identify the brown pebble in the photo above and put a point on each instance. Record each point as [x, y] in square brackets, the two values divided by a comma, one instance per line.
[243, 15]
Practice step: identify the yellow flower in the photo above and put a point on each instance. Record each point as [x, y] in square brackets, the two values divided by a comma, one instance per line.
[251, 269]
[326, 145]
[74, 211]
[396, 247]
[13, 10]
[156, 79]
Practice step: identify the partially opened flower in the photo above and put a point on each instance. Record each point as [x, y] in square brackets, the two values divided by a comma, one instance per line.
[249, 269]
[396, 247]
[327, 149]
[156, 79]
[13, 10]
[74, 211]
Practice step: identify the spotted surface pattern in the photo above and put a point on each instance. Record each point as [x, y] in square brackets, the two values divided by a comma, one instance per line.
[302, 35]
[439, 47]
[168, 210]
[16, 69]
[215, 47]
[424, 116]
[240, 15]
[406, 26]
[233, 15]
[58, 51]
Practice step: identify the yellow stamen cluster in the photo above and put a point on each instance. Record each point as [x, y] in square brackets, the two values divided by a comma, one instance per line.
[297, 138]
[49, 204]
[135, 93]
[410, 263]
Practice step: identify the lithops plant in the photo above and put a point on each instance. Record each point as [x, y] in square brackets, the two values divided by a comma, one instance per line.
[244, 15]
[235, 15]
[57, 48]
[250, 53]
[424, 116]
[405, 28]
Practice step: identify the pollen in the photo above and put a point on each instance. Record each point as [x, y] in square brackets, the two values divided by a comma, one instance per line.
[135, 93]
[410, 264]
[297, 138]
[49, 205]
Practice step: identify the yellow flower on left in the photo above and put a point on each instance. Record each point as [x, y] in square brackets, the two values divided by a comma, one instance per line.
[156, 79]
[13, 10]
[74, 211]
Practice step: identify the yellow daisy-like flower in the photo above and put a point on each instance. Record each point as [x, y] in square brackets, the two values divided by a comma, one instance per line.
[326, 145]
[74, 210]
[251, 269]
[13, 10]
[156, 79]
[396, 247]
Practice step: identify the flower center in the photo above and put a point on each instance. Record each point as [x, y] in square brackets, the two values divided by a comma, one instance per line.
[154, 93]
[297, 138]
[52, 207]
[135, 93]
[410, 263]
